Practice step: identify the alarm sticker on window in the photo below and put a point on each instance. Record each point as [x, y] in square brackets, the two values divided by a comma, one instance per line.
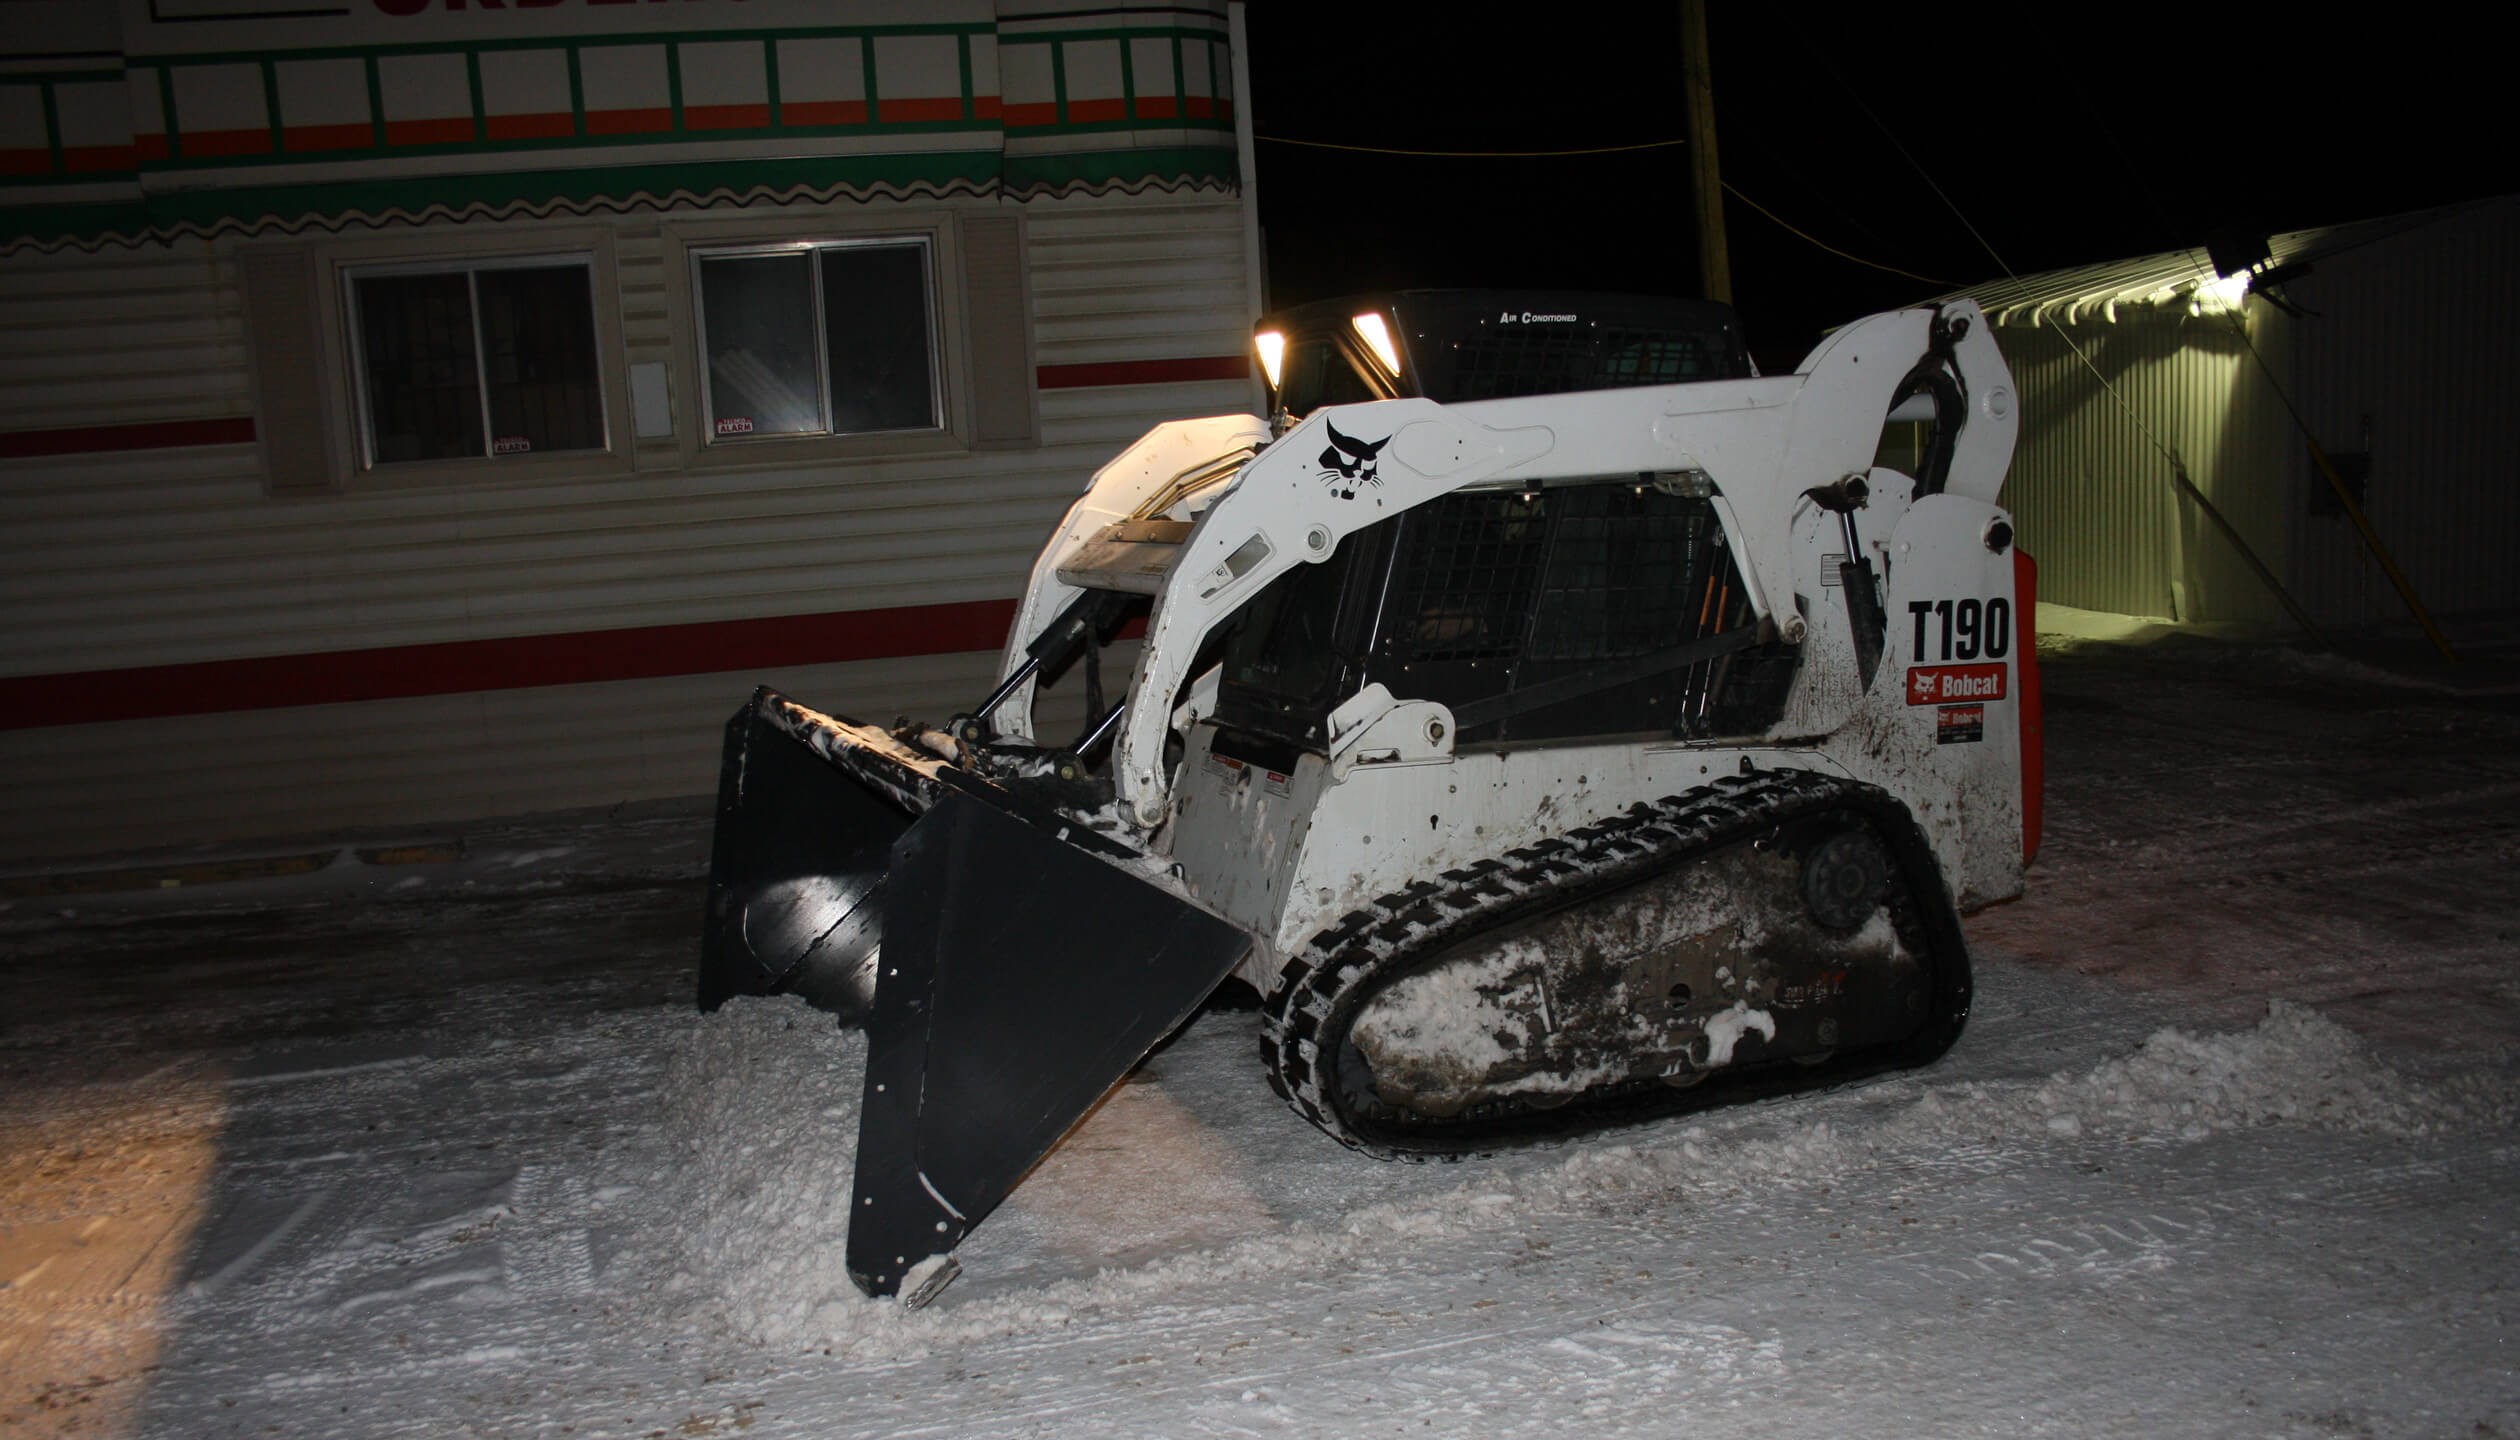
[510, 445]
[735, 425]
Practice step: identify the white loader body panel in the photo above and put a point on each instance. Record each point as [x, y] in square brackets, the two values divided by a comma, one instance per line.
[1285, 853]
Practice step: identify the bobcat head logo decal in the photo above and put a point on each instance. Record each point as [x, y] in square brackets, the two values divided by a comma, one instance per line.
[1350, 463]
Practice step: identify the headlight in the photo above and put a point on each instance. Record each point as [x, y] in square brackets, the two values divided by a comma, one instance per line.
[1377, 338]
[1272, 346]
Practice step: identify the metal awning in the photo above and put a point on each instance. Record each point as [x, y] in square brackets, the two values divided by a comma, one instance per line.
[2174, 282]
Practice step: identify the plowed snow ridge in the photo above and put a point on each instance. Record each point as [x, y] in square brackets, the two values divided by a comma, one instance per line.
[762, 1104]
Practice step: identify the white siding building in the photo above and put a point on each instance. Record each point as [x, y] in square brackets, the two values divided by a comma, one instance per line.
[419, 411]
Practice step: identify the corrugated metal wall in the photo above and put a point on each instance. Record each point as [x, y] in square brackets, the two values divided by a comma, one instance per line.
[160, 557]
[2412, 354]
[2094, 496]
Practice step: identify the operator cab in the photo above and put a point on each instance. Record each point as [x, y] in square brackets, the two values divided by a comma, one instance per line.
[1531, 612]
[1456, 345]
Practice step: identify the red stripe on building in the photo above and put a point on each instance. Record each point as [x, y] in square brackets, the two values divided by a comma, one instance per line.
[328, 137]
[20, 161]
[1143, 372]
[726, 117]
[896, 112]
[445, 130]
[629, 122]
[1038, 114]
[525, 662]
[545, 126]
[1082, 112]
[198, 143]
[164, 435]
[151, 147]
[81, 158]
[239, 429]
[822, 112]
[1156, 107]
[984, 107]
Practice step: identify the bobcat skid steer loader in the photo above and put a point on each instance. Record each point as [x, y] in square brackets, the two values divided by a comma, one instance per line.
[1546, 762]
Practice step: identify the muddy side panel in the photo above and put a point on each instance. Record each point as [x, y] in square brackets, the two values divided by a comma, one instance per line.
[1020, 980]
[796, 873]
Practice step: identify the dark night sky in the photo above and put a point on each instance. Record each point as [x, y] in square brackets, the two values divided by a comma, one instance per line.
[2066, 137]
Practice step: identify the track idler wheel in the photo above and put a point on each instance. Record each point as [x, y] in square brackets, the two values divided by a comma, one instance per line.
[1844, 879]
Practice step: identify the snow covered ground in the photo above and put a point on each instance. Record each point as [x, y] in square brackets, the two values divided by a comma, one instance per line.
[438, 1149]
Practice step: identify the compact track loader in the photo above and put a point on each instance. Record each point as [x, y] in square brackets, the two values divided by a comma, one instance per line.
[1545, 762]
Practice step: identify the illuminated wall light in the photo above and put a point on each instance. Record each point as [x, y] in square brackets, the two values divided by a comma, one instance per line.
[2222, 293]
[1377, 337]
[1272, 346]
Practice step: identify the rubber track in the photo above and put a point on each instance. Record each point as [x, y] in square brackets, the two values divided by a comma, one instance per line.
[1367, 947]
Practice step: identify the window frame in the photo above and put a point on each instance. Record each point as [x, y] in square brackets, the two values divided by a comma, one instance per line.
[957, 361]
[348, 274]
[302, 364]
[940, 411]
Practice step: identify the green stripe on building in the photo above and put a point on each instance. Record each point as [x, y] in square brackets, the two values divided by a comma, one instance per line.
[691, 185]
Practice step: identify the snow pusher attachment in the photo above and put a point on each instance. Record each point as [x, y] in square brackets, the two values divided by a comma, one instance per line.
[1545, 758]
[1007, 966]
[1023, 977]
[796, 867]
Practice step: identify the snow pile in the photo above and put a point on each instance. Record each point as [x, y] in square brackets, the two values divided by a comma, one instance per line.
[761, 1116]
[762, 1104]
[2327, 665]
[760, 1120]
[2297, 1066]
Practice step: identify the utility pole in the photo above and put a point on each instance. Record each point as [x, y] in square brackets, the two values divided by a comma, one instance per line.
[1714, 260]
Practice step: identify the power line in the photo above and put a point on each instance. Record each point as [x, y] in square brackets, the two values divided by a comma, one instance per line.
[1472, 154]
[1823, 244]
[1602, 150]
[2179, 477]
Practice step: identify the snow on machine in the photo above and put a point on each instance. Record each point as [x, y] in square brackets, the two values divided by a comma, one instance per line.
[1556, 722]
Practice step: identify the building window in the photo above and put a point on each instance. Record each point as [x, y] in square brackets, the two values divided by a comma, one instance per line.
[489, 360]
[819, 338]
